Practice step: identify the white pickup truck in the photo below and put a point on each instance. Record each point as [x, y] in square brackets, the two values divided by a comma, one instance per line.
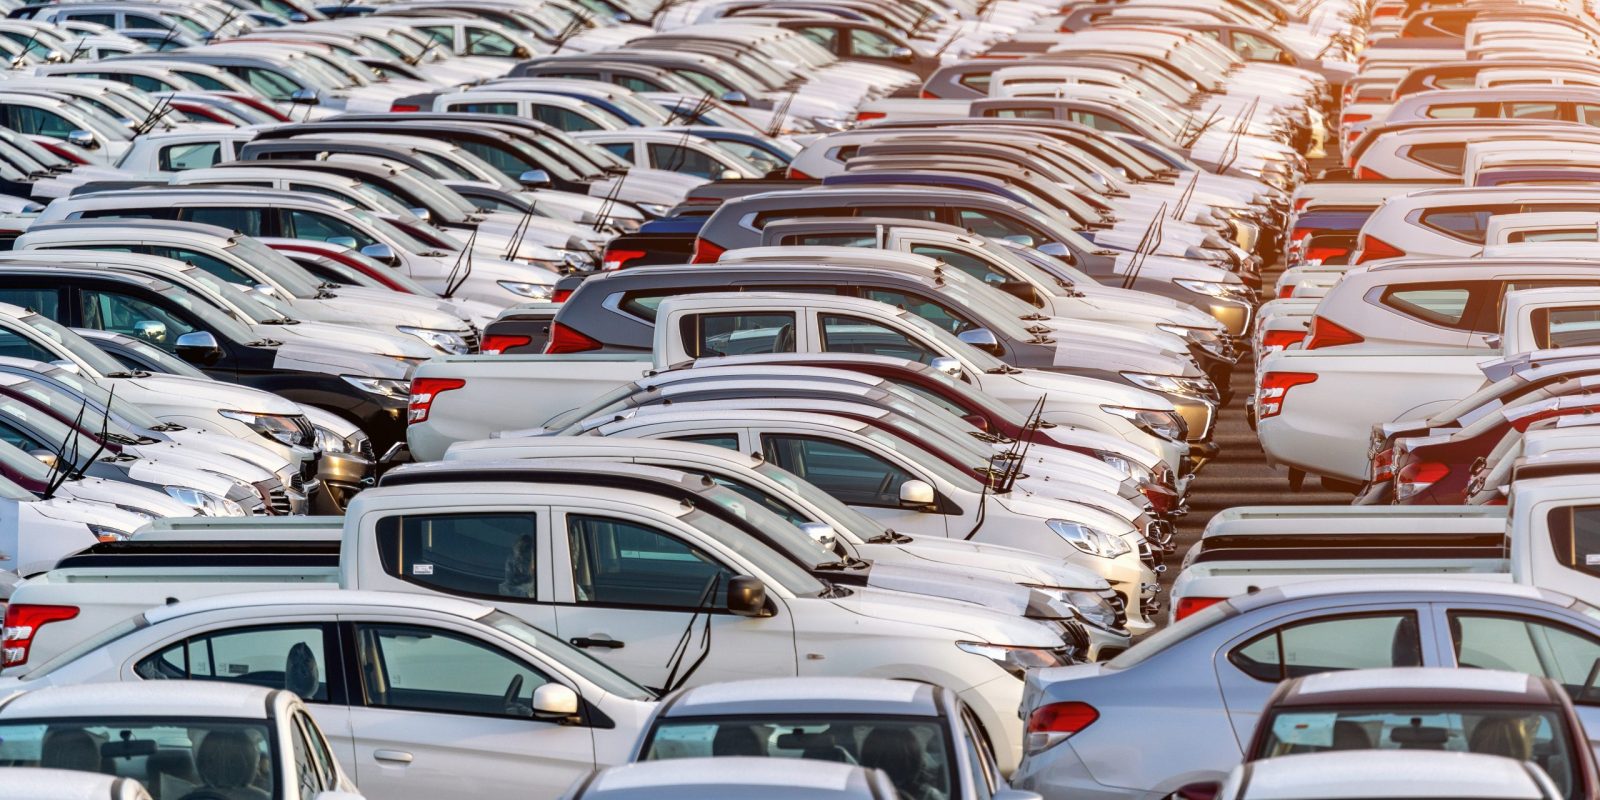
[463, 398]
[1545, 538]
[1314, 409]
[624, 566]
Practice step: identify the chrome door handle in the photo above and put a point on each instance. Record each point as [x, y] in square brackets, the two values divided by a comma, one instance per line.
[397, 756]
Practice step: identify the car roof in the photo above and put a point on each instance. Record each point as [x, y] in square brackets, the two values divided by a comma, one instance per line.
[1434, 588]
[1388, 774]
[352, 598]
[1415, 685]
[774, 778]
[829, 695]
[177, 699]
[191, 229]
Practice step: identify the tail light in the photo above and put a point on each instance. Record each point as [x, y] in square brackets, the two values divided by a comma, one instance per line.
[566, 340]
[1415, 478]
[1301, 203]
[868, 116]
[496, 343]
[1328, 334]
[1051, 724]
[1273, 341]
[1275, 388]
[1370, 174]
[22, 624]
[1325, 252]
[1383, 465]
[560, 295]
[405, 108]
[619, 258]
[706, 252]
[1162, 499]
[1349, 118]
[1373, 248]
[423, 392]
[1191, 605]
[927, 95]
[797, 175]
[1286, 291]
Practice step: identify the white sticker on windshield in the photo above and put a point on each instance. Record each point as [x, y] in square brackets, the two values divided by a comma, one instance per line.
[1591, 559]
[1311, 730]
[421, 569]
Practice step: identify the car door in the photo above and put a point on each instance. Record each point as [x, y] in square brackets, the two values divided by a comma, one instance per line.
[438, 712]
[863, 480]
[1250, 666]
[1521, 639]
[636, 592]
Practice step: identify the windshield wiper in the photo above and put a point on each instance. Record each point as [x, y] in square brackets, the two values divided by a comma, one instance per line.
[280, 321]
[889, 536]
[168, 426]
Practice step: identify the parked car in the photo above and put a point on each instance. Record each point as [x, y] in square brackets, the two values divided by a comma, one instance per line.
[1402, 774]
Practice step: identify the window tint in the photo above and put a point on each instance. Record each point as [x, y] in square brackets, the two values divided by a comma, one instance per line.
[1566, 327]
[738, 333]
[673, 158]
[827, 37]
[1443, 156]
[617, 562]
[427, 669]
[1466, 224]
[563, 118]
[930, 310]
[39, 122]
[113, 311]
[1326, 644]
[292, 657]
[478, 555]
[483, 42]
[306, 776]
[844, 334]
[321, 754]
[13, 345]
[966, 262]
[1575, 537]
[508, 109]
[852, 475]
[1439, 305]
[243, 220]
[195, 155]
[320, 227]
[622, 150]
[1530, 645]
[867, 44]
[47, 302]
[978, 82]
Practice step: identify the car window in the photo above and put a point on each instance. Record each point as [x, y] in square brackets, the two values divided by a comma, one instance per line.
[305, 772]
[194, 155]
[620, 562]
[1459, 111]
[508, 109]
[46, 302]
[831, 239]
[966, 262]
[1531, 645]
[868, 44]
[1589, 114]
[1532, 111]
[688, 161]
[738, 333]
[173, 755]
[488, 555]
[38, 122]
[1566, 327]
[849, 334]
[320, 227]
[1325, 644]
[14, 345]
[243, 220]
[931, 310]
[622, 150]
[980, 757]
[827, 37]
[1443, 156]
[415, 668]
[211, 264]
[851, 475]
[726, 441]
[1432, 303]
[482, 42]
[321, 753]
[293, 657]
[1465, 224]
[562, 118]
[108, 310]
[1575, 537]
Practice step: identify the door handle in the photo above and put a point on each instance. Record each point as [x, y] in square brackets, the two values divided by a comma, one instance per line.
[397, 756]
[597, 641]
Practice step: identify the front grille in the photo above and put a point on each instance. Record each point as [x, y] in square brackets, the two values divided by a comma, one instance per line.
[473, 338]
[308, 472]
[1077, 639]
[1147, 555]
[308, 432]
[278, 501]
[365, 448]
[1121, 606]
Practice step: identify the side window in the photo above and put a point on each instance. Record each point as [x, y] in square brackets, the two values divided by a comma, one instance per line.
[1433, 304]
[195, 155]
[930, 310]
[1024, 113]
[1097, 122]
[726, 441]
[321, 753]
[1575, 537]
[244, 220]
[483, 42]
[321, 227]
[13, 345]
[305, 769]
[1589, 114]
[1331, 643]
[47, 302]
[38, 122]
[508, 109]
[564, 119]
[986, 224]
[966, 262]
[1532, 111]
[827, 37]
[112, 311]
[622, 150]
[618, 562]
[1465, 224]
[1458, 111]
[985, 770]
[209, 263]
[631, 83]
[426, 669]
[842, 334]
[923, 213]
[443, 34]
[1524, 644]
[977, 82]
[1443, 156]
[738, 333]
[867, 44]
[673, 158]
[292, 657]
[851, 475]
[832, 240]
[477, 555]
[1566, 327]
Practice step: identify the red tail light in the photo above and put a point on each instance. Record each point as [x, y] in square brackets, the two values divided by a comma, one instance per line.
[797, 175]
[1383, 465]
[1325, 252]
[927, 95]
[1191, 605]
[1370, 174]
[1275, 388]
[560, 295]
[1050, 724]
[1300, 233]
[22, 624]
[706, 252]
[566, 340]
[1301, 203]
[496, 343]
[618, 259]
[1349, 118]
[1286, 291]
[1415, 478]
[1279, 340]
[1329, 334]
[404, 108]
[423, 392]
[868, 116]
[1373, 248]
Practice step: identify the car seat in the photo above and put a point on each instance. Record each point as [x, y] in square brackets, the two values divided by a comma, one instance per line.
[300, 674]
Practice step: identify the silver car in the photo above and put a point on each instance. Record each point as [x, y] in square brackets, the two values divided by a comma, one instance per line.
[1175, 708]
[735, 779]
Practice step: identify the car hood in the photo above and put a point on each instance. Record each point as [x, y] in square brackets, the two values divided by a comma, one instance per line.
[338, 336]
[230, 446]
[67, 509]
[153, 502]
[1109, 393]
[1007, 563]
[213, 394]
[333, 361]
[960, 621]
[1077, 353]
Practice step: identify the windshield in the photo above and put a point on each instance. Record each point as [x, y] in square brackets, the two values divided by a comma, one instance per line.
[97, 394]
[210, 316]
[928, 461]
[19, 460]
[406, 241]
[981, 359]
[254, 308]
[94, 357]
[595, 672]
[857, 523]
[914, 751]
[68, 406]
[159, 360]
[806, 551]
[291, 276]
[229, 756]
[50, 430]
[1539, 735]
[778, 567]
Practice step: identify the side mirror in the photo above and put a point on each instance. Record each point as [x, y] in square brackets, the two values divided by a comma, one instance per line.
[82, 138]
[747, 596]
[199, 348]
[916, 495]
[822, 532]
[736, 98]
[554, 701]
[343, 241]
[150, 330]
[904, 55]
[730, 175]
[304, 97]
[1056, 249]
[421, 213]
[46, 457]
[1493, 340]
[1204, 790]
[262, 288]
[983, 339]
[378, 251]
[947, 365]
[521, 52]
[534, 179]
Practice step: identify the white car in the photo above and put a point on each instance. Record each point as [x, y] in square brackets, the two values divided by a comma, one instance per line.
[1392, 774]
[1453, 221]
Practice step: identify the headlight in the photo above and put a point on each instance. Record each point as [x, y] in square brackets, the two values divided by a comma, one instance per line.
[108, 534]
[448, 342]
[1209, 340]
[1094, 608]
[206, 503]
[1089, 540]
[1216, 289]
[279, 428]
[1166, 424]
[1115, 462]
[532, 291]
[654, 209]
[577, 259]
[330, 442]
[1170, 384]
[830, 123]
[1016, 660]
[382, 386]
